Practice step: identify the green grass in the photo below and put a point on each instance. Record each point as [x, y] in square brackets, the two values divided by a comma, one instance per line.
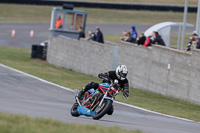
[23, 124]
[24, 13]
[32, 13]
[19, 58]
[134, 16]
[191, 2]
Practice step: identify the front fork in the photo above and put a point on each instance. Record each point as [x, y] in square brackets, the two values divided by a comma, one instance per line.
[78, 101]
[105, 95]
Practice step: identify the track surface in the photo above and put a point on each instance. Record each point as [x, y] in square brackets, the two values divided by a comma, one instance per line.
[41, 32]
[23, 94]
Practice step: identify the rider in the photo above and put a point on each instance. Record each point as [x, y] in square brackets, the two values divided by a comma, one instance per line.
[120, 74]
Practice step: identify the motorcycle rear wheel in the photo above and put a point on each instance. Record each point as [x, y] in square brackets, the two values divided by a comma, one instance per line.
[99, 112]
[74, 111]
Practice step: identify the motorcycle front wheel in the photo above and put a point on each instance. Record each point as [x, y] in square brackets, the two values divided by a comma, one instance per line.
[99, 112]
[74, 111]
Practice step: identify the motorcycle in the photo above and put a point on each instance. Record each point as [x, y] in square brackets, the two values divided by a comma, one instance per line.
[96, 103]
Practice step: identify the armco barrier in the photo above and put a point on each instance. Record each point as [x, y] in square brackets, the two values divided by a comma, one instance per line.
[159, 69]
[106, 5]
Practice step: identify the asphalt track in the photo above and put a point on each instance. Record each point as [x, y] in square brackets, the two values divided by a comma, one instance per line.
[41, 32]
[21, 93]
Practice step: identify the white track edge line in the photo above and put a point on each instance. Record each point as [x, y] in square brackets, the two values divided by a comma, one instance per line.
[65, 88]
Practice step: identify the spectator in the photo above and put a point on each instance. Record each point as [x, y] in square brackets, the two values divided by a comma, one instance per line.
[59, 23]
[81, 33]
[129, 37]
[125, 36]
[197, 39]
[148, 41]
[141, 39]
[158, 39]
[191, 43]
[99, 37]
[92, 36]
[134, 34]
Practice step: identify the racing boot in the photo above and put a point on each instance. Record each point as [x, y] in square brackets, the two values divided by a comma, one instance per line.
[80, 94]
[86, 88]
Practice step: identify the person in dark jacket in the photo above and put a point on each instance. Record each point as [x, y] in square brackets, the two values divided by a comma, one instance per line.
[99, 36]
[158, 39]
[197, 39]
[119, 74]
[129, 38]
[81, 33]
[141, 39]
[92, 36]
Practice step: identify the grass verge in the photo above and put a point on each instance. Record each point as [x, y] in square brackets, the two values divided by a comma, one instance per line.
[175, 2]
[33, 13]
[19, 58]
[23, 124]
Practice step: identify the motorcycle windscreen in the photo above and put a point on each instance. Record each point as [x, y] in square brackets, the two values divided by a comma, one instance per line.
[84, 111]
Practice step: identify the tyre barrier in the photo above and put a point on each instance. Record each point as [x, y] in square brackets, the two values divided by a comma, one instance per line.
[38, 52]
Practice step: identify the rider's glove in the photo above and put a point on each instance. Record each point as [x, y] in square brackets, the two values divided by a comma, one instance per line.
[100, 75]
[105, 77]
[126, 93]
[116, 86]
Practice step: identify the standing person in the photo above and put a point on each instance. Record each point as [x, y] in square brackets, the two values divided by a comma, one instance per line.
[148, 41]
[59, 23]
[158, 39]
[81, 33]
[92, 36]
[192, 39]
[141, 39]
[99, 37]
[134, 33]
[197, 39]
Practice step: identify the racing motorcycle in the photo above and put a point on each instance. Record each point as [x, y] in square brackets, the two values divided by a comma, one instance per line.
[96, 103]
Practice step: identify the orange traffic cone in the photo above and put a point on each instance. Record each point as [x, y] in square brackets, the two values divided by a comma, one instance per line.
[13, 33]
[31, 33]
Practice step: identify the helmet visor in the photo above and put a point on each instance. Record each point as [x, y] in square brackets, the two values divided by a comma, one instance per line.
[123, 75]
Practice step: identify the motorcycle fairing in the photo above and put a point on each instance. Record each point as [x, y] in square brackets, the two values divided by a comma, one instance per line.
[104, 85]
[108, 98]
[91, 91]
[84, 111]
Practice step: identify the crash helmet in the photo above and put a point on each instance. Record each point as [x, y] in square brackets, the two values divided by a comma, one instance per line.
[121, 72]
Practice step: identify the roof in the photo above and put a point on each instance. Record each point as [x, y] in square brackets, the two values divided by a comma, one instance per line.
[160, 26]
